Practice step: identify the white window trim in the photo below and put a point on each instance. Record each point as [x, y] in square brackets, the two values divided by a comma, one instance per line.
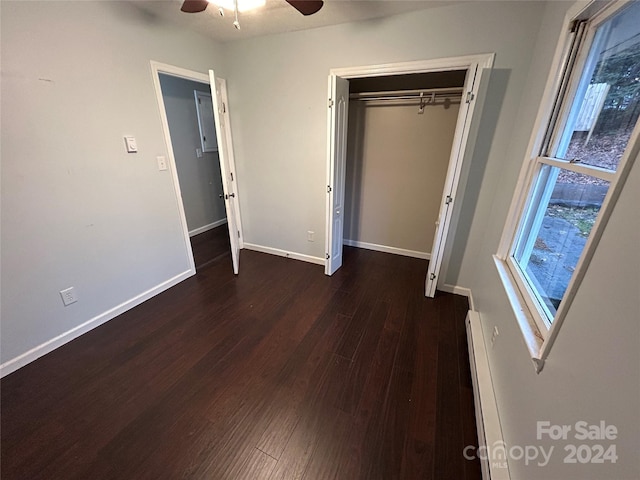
[531, 320]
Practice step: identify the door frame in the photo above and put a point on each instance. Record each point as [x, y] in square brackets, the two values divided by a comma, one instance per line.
[476, 63]
[158, 68]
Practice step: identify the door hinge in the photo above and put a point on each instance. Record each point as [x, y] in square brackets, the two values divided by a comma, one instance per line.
[224, 108]
[330, 103]
[432, 276]
[328, 188]
[238, 233]
[327, 256]
[448, 200]
[231, 173]
[199, 101]
[470, 96]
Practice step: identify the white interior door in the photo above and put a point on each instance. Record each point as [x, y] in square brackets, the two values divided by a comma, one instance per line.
[227, 168]
[337, 128]
[461, 142]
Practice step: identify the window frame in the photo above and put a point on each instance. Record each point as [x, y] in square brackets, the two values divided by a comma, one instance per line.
[563, 82]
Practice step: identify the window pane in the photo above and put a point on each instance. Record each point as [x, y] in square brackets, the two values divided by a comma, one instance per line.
[607, 103]
[556, 231]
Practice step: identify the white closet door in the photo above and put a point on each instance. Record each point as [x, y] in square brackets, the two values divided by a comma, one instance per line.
[339, 105]
[461, 144]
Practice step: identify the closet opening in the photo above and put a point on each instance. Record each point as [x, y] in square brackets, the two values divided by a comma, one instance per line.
[397, 137]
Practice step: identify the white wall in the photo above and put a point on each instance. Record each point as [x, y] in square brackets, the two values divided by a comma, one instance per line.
[593, 371]
[200, 178]
[76, 209]
[278, 100]
[397, 162]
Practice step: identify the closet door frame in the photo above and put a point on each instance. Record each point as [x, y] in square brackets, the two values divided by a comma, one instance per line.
[477, 66]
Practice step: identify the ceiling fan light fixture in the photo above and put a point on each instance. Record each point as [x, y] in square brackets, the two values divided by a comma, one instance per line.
[243, 5]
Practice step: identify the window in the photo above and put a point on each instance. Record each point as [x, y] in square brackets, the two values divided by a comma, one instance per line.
[589, 137]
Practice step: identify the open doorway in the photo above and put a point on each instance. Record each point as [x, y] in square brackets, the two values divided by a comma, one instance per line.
[435, 83]
[215, 101]
[191, 126]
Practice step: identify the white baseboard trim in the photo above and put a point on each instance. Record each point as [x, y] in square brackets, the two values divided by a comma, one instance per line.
[385, 249]
[50, 345]
[206, 228]
[466, 292]
[284, 253]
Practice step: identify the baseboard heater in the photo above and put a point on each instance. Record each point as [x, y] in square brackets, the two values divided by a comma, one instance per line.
[492, 459]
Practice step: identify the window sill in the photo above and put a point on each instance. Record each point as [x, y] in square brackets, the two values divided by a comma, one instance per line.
[533, 338]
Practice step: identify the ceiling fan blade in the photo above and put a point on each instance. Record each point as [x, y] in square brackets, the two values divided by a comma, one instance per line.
[194, 6]
[306, 7]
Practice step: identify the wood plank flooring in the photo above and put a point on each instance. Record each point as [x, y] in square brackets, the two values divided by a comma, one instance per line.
[209, 246]
[278, 373]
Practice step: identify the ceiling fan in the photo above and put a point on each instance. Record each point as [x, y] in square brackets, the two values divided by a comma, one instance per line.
[305, 7]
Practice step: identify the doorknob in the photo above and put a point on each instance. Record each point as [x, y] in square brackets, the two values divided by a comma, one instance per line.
[220, 196]
[232, 195]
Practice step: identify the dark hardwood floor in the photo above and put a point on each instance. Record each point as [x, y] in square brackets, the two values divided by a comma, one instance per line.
[278, 373]
[210, 246]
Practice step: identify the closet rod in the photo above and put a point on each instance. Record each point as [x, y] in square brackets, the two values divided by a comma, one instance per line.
[409, 94]
[450, 99]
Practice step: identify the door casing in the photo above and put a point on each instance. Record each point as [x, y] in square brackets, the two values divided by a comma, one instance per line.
[477, 66]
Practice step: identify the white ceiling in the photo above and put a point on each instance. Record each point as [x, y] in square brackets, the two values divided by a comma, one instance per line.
[277, 16]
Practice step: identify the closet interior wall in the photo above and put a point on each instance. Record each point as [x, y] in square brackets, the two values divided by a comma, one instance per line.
[397, 161]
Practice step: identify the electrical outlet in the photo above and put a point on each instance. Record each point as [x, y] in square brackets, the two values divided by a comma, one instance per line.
[68, 296]
[494, 335]
[311, 236]
[162, 163]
